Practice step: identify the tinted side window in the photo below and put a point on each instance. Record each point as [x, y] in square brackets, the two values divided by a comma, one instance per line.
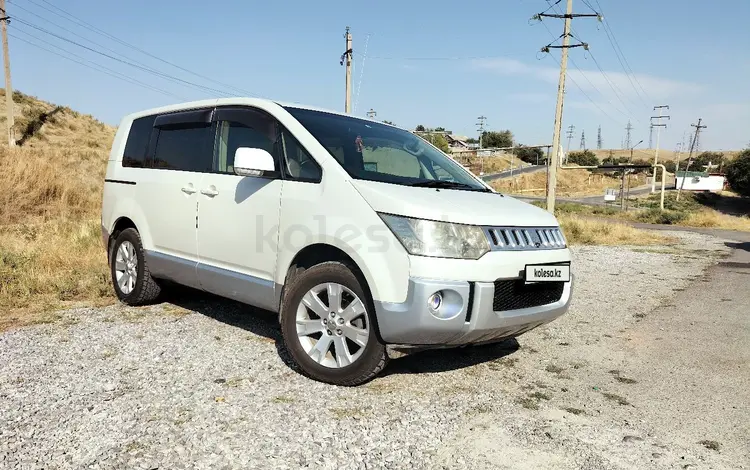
[255, 131]
[136, 146]
[186, 148]
[299, 164]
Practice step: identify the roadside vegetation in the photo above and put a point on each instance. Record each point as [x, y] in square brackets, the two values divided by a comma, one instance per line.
[570, 183]
[725, 211]
[50, 238]
[587, 231]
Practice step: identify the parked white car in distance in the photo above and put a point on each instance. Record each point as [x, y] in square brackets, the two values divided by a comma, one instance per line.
[359, 234]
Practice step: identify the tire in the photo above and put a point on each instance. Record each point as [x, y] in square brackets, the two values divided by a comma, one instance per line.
[144, 289]
[356, 364]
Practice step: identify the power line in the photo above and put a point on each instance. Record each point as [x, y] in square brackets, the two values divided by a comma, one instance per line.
[127, 62]
[102, 69]
[627, 115]
[618, 52]
[444, 58]
[585, 94]
[618, 95]
[90, 27]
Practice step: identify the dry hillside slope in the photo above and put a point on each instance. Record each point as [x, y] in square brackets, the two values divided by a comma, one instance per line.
[50, 244]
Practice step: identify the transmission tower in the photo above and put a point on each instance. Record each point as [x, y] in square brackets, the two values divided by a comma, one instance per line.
[372, 113]
[599, 138]
[480, 128]
[583, 140]
[570, 133]
[628, 141]
[651, 137]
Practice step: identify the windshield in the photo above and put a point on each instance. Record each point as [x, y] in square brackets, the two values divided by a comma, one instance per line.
[371, 151]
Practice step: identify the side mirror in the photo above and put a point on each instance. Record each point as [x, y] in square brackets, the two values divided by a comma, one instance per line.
[252, 162]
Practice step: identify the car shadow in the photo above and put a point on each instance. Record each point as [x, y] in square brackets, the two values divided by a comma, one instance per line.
[745, 246]
[265, 323]
[428, 361]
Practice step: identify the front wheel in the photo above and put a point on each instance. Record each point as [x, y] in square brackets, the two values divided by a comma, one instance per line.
[327, 324]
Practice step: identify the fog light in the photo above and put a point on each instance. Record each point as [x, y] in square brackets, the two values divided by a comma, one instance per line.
[435, 301]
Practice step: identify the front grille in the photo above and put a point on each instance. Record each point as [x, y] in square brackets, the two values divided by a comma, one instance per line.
[525, 238]
[514, 294]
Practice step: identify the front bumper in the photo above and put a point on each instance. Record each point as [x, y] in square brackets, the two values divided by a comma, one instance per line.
[411, 323]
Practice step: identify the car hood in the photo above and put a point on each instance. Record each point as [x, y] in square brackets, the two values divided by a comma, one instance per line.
[451, 205]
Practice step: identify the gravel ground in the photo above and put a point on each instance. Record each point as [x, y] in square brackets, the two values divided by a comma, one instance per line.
[199, 382]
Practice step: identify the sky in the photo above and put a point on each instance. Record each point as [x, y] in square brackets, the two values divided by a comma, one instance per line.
[435, 63]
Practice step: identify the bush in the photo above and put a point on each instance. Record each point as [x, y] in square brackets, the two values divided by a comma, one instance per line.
[529, 155]
[738, 173]
[657, 216]
[585, 158]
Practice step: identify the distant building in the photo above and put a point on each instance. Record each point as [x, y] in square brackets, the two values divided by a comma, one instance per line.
[457, 142]
[699, 181]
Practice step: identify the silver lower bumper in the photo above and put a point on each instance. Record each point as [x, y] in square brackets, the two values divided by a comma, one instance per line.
[412, 323]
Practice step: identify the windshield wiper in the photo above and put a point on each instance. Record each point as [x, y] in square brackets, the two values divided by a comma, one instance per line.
[446, 185]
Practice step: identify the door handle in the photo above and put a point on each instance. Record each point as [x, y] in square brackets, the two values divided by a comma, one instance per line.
[189, 189]
[210, 191]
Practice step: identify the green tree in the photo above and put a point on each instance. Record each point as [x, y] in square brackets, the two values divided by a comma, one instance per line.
[388, 122]
[438, 140]
[497, 139]
[738, 173]
[716, 159]
[419, 128]
[583, 158]
[472, 140]
[529, 155]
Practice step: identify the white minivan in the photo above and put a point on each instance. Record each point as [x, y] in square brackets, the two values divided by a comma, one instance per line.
[359, 234]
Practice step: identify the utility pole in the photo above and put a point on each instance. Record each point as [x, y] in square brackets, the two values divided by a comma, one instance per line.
[480, 128]
[8, 87]
[347, 57]
[628, 129]
[568, 16]
[693, 145]
[583, 140]
[599, 138]
[372, 113]
[658, 125]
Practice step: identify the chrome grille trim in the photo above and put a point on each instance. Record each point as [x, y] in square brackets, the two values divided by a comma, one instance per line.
[525, 238]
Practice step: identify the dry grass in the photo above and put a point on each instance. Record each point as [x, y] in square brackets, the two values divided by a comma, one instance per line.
[648, 154]
[580, 231]
[50, 239]
[570, 183]
[715, 219]
[489, 165]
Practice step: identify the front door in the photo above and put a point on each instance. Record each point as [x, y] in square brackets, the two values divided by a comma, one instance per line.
[238, 217]
[167, 193]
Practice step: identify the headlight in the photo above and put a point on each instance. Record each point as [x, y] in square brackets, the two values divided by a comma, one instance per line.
[439, 239]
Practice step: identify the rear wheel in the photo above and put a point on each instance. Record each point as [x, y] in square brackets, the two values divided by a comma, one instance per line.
[130, 275]
[328, 327]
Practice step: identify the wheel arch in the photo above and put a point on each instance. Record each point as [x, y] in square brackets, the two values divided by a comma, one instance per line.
[122, 223]
[318, 253]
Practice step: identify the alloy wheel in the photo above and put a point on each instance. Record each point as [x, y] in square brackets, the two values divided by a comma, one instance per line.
[126, 267]
[332, 325]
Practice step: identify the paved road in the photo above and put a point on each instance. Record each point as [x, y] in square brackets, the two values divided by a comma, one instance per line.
[516, 171]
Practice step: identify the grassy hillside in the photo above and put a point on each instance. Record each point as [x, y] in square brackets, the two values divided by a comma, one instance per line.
[648, 154]
[570, 183]
[50, 242]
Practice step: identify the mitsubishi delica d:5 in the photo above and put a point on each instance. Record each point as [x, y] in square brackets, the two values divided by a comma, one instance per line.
[357, 234]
